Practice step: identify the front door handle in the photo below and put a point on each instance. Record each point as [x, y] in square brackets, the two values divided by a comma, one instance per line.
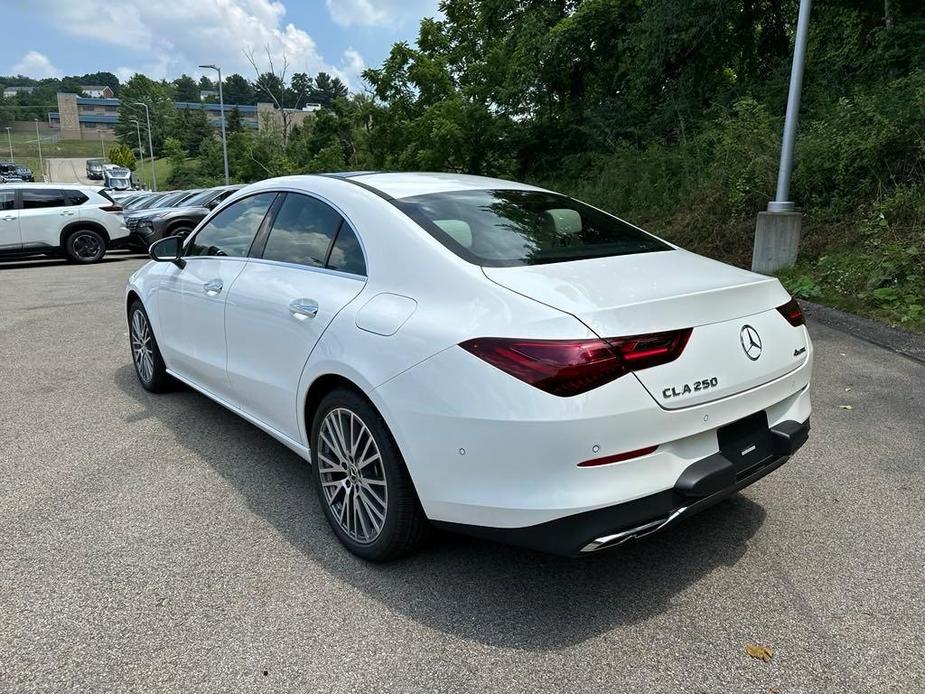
[212, 287]
[68, 213]
[303, 308]
[7, 219]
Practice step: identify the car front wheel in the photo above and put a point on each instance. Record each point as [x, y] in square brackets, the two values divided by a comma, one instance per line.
[362, 482]
[146, 356]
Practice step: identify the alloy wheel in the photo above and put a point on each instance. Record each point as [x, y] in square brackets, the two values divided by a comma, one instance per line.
[87, 246]
[352, 475]
[142, 347]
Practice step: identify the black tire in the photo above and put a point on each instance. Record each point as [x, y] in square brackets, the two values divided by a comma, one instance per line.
[182, 232]
[85, 246]
[155, 378]
[405, 526]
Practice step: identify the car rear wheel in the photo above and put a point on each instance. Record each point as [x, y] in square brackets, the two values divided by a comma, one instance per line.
[85, 246]
[362, 482]
[146, 356]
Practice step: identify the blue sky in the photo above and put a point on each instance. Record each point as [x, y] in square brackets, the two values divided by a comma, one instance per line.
[164, 38]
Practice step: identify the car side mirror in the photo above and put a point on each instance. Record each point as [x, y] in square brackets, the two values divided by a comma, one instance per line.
[168, 250]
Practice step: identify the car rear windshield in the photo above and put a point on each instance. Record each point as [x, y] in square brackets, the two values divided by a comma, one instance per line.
[499, 228]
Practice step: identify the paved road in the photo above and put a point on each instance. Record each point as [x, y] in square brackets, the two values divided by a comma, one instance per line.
[70, 170]
[159, 543]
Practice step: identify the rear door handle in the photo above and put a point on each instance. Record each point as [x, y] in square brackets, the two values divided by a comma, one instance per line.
[303, 308]
[212, 287]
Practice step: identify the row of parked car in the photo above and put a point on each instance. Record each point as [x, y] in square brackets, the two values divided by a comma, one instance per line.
[83, 222]
[11, 172]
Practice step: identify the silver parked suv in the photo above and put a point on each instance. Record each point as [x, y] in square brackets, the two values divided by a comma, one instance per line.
[80, 221]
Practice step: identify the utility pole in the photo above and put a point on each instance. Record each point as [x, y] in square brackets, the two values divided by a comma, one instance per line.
[10, 140]
[150, 143]
[221, 109]
[38, 141]
[777, 231]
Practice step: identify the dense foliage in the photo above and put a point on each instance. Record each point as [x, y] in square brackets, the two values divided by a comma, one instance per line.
[665, 112]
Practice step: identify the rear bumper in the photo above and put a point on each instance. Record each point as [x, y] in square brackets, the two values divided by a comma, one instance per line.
[701, 485]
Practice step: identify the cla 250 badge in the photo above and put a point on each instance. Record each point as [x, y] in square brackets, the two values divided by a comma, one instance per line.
[688, 388]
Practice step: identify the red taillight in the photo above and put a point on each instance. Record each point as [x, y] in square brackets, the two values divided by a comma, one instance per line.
[111, 208]
[638, 453]
[792, 312]
[571, 367]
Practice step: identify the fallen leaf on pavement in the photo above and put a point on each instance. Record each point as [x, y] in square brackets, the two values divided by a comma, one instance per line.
[756, 650]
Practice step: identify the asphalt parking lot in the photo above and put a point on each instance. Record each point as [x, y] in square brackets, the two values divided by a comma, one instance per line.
[160, 543]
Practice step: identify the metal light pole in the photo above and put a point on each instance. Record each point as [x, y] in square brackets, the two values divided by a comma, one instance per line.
[141, 150]
[221, 109]
[38, 141]
[777, 231]
[10, 140]
[150, 143]
[102, 146]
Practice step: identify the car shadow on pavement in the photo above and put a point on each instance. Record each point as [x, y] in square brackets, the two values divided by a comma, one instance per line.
[35, 262]
[488, 593]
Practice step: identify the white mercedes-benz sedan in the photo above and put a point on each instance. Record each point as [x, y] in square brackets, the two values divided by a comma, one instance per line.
[477, 355]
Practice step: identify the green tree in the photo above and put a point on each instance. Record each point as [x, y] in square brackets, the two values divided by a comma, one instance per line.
[234, 123]
[120, 155]
[237, 90]
[186, 89]
[159, 98]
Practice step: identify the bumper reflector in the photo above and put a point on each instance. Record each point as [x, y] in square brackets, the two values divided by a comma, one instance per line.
[638, 453]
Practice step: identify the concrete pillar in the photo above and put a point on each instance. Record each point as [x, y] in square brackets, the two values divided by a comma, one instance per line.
[70, 119]
[777, 238]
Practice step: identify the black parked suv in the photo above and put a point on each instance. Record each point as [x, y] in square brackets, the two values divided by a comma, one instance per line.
[148, 226]
[95, 169]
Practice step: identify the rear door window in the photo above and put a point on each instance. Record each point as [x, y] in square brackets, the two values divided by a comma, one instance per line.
[302, 232]
[34, 199]
[75, 197]
[346, 253]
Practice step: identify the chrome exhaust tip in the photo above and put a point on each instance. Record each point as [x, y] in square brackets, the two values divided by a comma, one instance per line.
[619, 538]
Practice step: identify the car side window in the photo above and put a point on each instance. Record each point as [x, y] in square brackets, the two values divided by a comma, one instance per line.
[231, 232]
[302, 232]
[7, 199]
[34, 199]
[346, 253]
[75, 197]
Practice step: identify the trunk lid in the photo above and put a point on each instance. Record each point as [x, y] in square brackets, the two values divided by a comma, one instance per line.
[670, 290]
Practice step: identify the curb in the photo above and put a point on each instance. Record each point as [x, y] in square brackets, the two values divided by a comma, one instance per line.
[899, 341]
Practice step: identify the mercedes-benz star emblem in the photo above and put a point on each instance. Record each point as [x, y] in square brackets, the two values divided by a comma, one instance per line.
[751, 342]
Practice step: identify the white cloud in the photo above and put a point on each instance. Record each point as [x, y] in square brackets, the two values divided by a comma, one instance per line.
[170, 37]
[36, 65]
[348, 13]
[351, 69]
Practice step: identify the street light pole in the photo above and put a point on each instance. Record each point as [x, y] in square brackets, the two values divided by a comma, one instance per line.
[781, 202]
[38, 141]
[10, 140]
[141, 150]
[221, 108]
[102, 146]
[150, 143]
[777, 231]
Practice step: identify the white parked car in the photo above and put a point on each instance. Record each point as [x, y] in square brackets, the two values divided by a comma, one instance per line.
[478, 355]
[79, 221]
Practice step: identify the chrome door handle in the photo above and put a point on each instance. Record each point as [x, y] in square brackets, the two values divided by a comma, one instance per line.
[212, 287]
[68, 213]
[7, 219]
[303, 308]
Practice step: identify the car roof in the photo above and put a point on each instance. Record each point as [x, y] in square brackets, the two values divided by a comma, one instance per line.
[409, 184]
[61, 186]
